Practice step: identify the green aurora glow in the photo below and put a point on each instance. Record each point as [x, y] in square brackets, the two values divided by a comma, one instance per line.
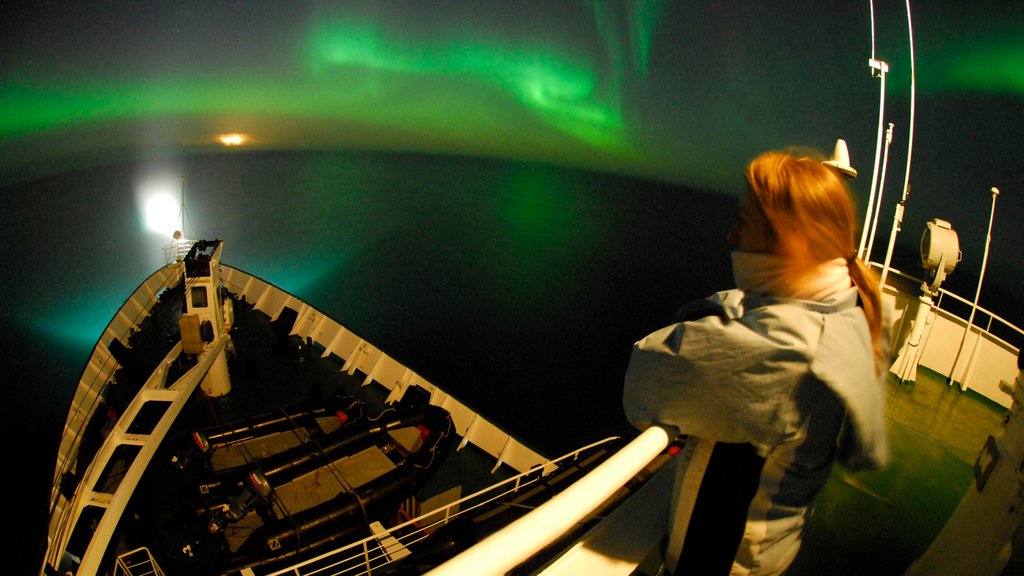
[994, 65]
[363, 78]
[449, 89]
[562, 92]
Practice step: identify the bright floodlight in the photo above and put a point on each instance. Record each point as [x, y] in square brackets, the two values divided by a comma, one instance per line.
[158, 196]
[161, 213]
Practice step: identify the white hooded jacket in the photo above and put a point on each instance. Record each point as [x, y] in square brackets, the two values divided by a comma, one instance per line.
[793, 378]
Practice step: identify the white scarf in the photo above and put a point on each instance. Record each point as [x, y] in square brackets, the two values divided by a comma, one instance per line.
[772, 275]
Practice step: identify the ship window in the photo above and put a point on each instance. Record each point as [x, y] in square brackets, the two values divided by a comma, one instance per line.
[199, 297]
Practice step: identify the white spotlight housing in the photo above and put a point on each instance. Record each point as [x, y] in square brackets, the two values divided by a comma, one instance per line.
[940, 251]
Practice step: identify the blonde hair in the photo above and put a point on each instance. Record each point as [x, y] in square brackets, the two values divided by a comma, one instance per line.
[811, 215]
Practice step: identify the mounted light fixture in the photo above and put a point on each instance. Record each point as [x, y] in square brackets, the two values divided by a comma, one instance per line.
[840, 160]
[940, 252]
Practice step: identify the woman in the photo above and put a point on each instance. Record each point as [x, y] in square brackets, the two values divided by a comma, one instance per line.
[770, 382]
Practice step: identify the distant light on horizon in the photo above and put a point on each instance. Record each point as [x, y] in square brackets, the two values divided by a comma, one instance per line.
[233, 139]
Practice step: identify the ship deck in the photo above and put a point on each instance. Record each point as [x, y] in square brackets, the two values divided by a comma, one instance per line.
[880, 522]
[272, 368]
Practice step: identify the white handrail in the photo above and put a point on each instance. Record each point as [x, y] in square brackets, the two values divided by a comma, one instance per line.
[413, 530]
[517, 542]
[946, 294]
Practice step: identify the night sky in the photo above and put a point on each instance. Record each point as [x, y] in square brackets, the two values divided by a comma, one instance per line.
[679, 91]
[684, 93]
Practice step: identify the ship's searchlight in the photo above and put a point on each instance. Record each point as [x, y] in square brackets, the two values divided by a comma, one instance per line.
[940, 252]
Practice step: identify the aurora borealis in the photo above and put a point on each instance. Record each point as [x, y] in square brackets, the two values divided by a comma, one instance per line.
[670, 90]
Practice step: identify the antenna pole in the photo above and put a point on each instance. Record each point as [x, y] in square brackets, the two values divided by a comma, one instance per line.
[882, 69]
[878, 202]
[183, 205]
[981, 276]
[910, 146]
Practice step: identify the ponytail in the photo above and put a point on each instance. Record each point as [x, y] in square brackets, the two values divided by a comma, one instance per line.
[871, 301]
[810, 212]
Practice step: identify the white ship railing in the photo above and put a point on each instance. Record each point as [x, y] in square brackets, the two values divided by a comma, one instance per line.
[994, 320]
[373, 552]
[176, 250]
[517, 542]
[138, 562]
[987, 360]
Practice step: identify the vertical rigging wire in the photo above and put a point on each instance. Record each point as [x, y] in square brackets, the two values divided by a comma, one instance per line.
[182, 214]
[872, 4]
[913, 93]
[882, 68]
[898, 218]
[878, 201]
[965, 371]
